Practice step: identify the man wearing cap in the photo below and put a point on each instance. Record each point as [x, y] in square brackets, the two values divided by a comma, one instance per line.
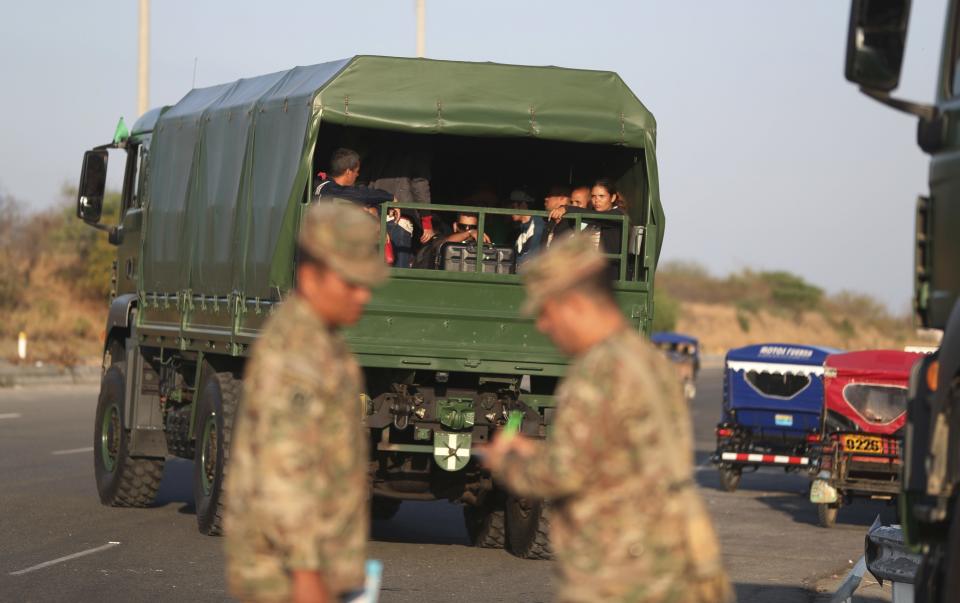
[297, 518]
[627, 522]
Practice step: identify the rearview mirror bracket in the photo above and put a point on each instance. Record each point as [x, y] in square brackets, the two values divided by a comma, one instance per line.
[923, 111]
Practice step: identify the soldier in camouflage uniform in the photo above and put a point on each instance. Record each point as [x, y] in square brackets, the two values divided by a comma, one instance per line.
[297, 517]
[627, 522]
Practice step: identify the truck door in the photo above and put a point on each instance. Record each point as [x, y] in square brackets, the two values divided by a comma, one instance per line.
[131, 217]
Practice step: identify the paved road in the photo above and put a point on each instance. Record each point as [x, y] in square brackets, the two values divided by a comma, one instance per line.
[49, 510]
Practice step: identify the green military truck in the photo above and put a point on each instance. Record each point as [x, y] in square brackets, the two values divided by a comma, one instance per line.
[214, 190]
[930, 497]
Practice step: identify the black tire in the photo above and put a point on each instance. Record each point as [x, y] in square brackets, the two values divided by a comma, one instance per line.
[928, 582]
[486, 525]
[528, 528]
[383, 508]
[730, 478]
[121, 481]
[218, 403]
[827, 514]
[949, 562]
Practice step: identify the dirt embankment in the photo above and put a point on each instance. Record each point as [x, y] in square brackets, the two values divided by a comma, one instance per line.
[774, 306]
[722, 327]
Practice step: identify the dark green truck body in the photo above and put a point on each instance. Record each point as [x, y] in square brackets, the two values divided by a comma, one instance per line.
[216, 187]
[929, 500]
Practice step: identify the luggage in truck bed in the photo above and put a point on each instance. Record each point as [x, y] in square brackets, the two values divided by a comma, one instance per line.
[462, 257]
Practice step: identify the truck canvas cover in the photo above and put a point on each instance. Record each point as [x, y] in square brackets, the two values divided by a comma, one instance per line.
[236, 158]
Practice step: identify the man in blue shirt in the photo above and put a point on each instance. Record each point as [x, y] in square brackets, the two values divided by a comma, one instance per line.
[342, 184]
[531, 232]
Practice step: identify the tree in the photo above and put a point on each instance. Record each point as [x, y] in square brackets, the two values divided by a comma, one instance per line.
[666, 310]
[91, 254]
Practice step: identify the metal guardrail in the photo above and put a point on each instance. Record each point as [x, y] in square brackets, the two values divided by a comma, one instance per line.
[887, 558]
[850, 584]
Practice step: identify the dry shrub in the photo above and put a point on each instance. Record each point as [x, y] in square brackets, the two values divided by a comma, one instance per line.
[54, 281]
[756, 306]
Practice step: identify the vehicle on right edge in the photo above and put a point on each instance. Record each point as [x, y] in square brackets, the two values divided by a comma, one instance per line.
[929, 500]
[864, 411]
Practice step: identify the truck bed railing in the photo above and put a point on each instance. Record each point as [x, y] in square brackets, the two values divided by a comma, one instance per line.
[622, 259]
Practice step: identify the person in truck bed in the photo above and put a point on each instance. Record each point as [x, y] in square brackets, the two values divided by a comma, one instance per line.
[464, 229]
[341, 182]
[530, 235]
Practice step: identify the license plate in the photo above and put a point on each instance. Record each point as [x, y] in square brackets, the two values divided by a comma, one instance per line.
[783, 420]
[863, 444]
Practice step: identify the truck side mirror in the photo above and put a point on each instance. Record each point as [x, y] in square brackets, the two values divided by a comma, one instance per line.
[876, 41]
[93, 183]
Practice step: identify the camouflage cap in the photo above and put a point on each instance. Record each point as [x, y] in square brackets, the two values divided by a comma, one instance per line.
[567, 262]
[346, 239]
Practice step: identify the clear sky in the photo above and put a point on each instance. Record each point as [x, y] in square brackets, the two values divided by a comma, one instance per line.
[768, 157]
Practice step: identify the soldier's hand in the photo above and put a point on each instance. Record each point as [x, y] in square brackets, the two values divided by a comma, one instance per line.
[496, 451]
[310, 587]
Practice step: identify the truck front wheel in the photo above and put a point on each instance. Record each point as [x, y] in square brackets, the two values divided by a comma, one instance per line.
[528, 528]
[218, 403]
[121, 481]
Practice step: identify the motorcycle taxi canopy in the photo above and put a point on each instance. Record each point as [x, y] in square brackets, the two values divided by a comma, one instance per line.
[679, 347]
[869, 388]
[776, 389]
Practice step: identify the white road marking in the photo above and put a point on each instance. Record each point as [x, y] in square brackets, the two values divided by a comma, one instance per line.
[10, 415]
[34, 568]
[73, 451]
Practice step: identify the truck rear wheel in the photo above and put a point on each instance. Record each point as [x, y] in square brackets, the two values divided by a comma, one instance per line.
[218, 404]
[928, 582]
[827, 514]
[383, 508]
[528, 528]
[730, 478]
[122, 481]
[486, 524]
[950, 560]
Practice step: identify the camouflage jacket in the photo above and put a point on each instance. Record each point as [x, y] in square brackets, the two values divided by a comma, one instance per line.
[297, 482]
[627, 523]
